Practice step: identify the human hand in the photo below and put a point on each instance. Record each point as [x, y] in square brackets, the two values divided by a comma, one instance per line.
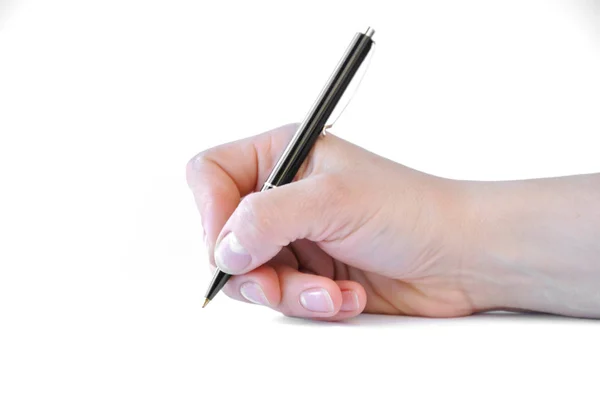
[359, 233]
[354, 232]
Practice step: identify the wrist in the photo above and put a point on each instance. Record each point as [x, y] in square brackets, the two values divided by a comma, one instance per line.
[533, 246]
[498, 274]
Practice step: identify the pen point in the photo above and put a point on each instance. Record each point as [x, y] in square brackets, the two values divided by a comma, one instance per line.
[206, 301]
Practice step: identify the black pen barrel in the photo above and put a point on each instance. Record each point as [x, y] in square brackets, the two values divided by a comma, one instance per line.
[292, 158]
[219, 280]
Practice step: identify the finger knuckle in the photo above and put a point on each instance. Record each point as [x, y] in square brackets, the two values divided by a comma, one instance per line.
[254, 213]
[194, 166]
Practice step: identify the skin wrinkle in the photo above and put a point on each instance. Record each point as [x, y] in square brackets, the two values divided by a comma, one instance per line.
[446, 303]
[461, 280]
[333, 269]
[354, 275]
[207, 156]
[428, 258]
[418, 264]
[418, 199]
[248, 214]
[216, 165]
[465, 242]
[403, 290]
[336, 201]
[263, 216]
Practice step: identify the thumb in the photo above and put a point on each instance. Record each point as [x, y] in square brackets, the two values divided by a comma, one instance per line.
[265, 222]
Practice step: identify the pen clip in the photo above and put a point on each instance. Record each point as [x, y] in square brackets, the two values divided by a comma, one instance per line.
[364, 68]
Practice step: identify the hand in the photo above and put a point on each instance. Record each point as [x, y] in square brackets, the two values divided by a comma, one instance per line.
[354, 232]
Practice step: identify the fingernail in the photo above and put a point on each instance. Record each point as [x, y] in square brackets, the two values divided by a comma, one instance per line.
[349, 301]
[253, 293]
[316, 300]
[231, 256]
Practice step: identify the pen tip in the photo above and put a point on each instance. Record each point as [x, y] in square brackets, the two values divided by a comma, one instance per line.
[206, 301]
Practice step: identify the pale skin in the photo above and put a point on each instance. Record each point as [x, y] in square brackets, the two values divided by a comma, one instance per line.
[356, 232]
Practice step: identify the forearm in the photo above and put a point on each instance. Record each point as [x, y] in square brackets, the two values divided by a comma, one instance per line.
[537, 245]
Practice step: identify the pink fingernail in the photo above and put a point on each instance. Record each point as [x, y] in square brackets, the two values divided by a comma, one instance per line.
[316, 300]
[349, 301]
[253, 293]
[231, 256]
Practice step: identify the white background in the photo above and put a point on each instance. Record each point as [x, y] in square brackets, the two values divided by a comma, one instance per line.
[102, 266]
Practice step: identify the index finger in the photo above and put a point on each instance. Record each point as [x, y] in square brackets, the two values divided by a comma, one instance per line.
[219, 177]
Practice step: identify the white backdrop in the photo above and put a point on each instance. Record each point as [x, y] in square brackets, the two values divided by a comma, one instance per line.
[102, 266]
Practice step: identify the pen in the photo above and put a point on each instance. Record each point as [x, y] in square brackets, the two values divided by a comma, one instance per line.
[301, 143]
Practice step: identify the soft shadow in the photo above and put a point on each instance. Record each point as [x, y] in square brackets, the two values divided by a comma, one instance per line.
[589, 13]
[507, 316]
[6, 8]
[285, 320]
[403, 321]
[364, 320]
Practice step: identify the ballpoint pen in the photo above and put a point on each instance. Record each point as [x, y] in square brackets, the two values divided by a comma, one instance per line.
[301, 143]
